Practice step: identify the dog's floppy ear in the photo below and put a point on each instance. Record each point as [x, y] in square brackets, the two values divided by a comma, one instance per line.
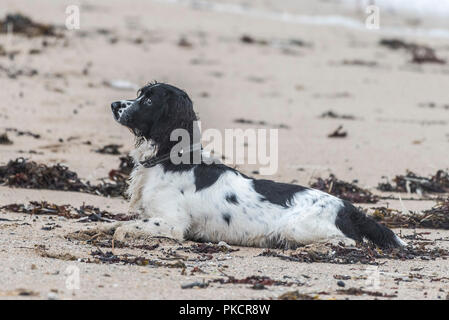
[176, 113]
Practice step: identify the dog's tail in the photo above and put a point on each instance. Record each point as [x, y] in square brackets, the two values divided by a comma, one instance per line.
[358, 226]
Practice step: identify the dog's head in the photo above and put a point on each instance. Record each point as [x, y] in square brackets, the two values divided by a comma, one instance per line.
[157, 111]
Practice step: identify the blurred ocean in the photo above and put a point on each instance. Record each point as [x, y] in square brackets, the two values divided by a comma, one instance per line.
[343, 13]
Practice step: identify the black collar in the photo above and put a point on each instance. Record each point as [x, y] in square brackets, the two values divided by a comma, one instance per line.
[157, 160]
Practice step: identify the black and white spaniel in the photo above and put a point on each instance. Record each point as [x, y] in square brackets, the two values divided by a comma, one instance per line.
[213, 202]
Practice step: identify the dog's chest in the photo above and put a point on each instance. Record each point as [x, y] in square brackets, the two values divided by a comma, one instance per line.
[152, 190]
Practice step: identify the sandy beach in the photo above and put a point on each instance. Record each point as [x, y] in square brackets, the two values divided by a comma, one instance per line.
[236, 61]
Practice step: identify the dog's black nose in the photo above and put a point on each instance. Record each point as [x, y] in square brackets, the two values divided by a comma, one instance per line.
[116, 105]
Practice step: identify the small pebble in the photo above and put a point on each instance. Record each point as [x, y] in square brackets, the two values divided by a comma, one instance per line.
[341, 283]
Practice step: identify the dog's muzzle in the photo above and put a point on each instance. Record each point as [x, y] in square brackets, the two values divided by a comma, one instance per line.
[117, 108]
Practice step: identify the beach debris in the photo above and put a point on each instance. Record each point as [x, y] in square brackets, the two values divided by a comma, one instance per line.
[104, 239]
[208, 248]
[4, 139]
[338, 133]
[344, 190]
[333, 95]
[251, 40]
[296, 295]
[126, 165]
[19, 292]
[109, 257]
[420, 53]
[298, 42]
[21, 24]
[333, 115]
[434, 218]
[341, 277]
[394, 44]
[423, 54]
[59, 256]
[412, 183]
[184, 43]
[195, 284]
[31, 175]
[329, 253]
[126, 259]
[121, 175]
[365, 253]
[359, 292]
[358, 62]
[13, 72]
[23, 133]
[254, 280]
[112, 149]
[85, 212]
[261, 123]
[278, 43]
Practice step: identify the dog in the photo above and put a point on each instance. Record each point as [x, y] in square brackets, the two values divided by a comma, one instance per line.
[211, 202]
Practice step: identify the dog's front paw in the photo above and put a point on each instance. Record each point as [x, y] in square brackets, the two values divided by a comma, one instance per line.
[145, 230]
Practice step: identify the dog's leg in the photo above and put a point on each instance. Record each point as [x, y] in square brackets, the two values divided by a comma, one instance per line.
[146, 229]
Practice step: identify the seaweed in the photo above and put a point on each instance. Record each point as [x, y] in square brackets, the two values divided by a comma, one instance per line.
[420, 53]
[261, 122]
[197, 284]
[121, 174]
[251, 40]
[22, 24]
[23, 133]
[358, 62]
[31, 175]
[359, 292]
[333, 115]
[185, 43]
[253, 280]
[4, 139]
[413, 183]
[362, 253]
[13, 72]
[205, 248]
[344, 190]
[110, 258]
[434, 218]
[86, 213]
[112, 149]
[338, 133]
[336, 254]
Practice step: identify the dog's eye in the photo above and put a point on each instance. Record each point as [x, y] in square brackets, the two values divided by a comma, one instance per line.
[148, 101]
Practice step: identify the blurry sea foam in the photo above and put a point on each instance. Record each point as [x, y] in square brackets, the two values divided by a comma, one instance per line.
[417, 8]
